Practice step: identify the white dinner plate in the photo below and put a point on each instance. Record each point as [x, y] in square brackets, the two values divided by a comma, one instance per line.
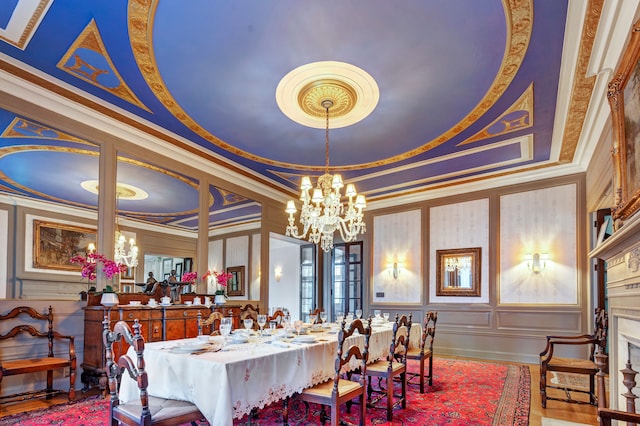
[188, 347]
[239, 338]
[304, 339]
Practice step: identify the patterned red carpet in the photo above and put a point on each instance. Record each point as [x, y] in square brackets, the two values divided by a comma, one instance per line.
[463, 393]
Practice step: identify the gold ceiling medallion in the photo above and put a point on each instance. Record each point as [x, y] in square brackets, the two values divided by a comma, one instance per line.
[342, 96]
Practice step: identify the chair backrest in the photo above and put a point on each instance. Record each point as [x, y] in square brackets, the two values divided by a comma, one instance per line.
[428, 331]
[278, 317]
[213, 321]
[600, 330]
[115, 368]
[249, 311]
[400, 339]
[353, 351]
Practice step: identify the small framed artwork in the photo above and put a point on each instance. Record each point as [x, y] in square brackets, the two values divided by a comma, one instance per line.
[458, 272]
[128, 274]
[54, 244]
[235, 286]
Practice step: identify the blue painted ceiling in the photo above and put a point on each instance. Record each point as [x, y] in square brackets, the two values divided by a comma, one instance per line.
[468, 90]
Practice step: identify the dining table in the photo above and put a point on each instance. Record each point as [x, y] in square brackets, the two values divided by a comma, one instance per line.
[227, 378]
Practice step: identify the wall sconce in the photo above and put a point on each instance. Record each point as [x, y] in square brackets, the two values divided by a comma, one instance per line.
[278, 273]
[394, 270]
[536, 262]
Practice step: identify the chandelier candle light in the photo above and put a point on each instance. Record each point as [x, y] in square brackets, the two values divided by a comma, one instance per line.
[121, 255]
[321, 213]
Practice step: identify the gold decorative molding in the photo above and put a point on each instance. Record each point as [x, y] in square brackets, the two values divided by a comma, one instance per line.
[22, 128]
[78, 66]
[519, 16]
[582, 85]
[523, 103]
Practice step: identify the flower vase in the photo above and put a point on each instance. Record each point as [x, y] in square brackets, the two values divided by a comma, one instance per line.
[219, 299]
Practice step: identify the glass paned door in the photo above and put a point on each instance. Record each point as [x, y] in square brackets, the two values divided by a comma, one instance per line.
[347, 278]
[307, 281]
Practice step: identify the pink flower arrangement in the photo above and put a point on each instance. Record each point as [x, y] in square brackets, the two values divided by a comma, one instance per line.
[190, 277]
[222, 279]
[90, 264]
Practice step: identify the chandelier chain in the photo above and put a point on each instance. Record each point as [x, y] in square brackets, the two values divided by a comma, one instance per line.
[323, 212]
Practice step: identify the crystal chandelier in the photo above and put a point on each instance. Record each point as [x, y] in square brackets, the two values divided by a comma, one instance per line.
[455, 263]
[322, 212]
[121, 255]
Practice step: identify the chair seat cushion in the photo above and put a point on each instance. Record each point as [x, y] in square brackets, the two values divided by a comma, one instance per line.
[325, 389]
[571, 364]
[414, 353]
[381, 366]
[161, 409]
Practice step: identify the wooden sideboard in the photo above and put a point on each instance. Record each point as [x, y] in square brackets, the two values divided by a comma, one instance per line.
[157, 324]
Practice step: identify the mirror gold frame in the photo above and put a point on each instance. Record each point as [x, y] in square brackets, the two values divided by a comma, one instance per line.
[458, 272]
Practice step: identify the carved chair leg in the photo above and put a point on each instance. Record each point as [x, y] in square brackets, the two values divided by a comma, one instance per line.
[543, 387]
[323, 415]
[285, 412]
[431, 370]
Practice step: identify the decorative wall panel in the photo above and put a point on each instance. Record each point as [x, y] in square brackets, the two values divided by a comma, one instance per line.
[454, 226]
[540, 221]
[397, 239]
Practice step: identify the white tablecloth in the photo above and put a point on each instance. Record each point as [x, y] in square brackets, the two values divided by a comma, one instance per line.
[230, 383]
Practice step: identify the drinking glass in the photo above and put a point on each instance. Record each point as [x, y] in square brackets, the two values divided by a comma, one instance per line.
[262, 320]
[323, 317]
[386, 316]
[225, 327]
[248, 323]
[339, 318]
[376, 313]
[297, 324]
[359, 313]
[312, 318]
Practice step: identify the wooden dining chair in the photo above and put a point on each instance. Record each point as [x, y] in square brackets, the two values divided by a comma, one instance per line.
[249, 311]
[424, 351]
[393, 367]
[148, 410]
[585, 366]
[277, 316]
[340, 390]
[213, 321]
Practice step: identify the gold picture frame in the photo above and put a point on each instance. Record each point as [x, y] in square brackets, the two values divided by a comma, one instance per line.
[54, 244]
[235, 285]
[458, 272]
[128, 274]
[624, 100]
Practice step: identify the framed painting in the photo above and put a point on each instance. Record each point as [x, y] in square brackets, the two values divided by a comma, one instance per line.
[624, 100]
[458, 272]
[235, 286]
[128, 274]
[54, 244]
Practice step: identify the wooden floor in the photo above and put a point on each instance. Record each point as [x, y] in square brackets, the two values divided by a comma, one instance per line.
[578, 413]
